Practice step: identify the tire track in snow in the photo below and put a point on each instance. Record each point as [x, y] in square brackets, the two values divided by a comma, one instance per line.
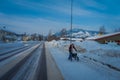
[14, 53]
[10, 74]
[105, 64]
[27, 71]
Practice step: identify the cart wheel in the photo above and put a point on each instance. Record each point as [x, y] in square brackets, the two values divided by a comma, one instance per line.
[77, 58]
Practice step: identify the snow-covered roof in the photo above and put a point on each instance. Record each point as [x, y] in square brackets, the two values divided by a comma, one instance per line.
[103, 36]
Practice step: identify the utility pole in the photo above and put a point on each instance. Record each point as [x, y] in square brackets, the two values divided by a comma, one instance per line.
[71, 19]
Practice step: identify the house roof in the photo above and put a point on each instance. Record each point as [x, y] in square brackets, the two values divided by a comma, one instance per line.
[104, 36]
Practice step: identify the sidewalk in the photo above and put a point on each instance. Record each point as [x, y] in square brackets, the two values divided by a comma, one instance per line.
[53, 72]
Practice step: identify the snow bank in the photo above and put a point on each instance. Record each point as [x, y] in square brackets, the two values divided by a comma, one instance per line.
[107, 53]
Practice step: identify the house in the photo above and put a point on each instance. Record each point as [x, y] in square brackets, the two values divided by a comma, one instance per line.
[113, 37]
[7, 35]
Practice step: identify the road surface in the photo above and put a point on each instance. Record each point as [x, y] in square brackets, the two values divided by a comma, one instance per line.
[32, 62]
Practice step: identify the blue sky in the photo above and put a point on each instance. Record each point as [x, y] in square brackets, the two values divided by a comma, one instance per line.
[40, 16]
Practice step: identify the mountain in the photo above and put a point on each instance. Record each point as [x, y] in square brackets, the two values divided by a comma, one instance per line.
[79, 33]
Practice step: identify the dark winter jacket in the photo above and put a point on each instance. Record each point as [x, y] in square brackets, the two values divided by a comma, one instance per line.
[71, 47]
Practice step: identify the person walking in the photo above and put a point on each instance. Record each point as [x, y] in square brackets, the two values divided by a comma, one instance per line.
[71, 49]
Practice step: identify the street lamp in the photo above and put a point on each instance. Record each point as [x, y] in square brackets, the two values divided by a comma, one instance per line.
[71, 21]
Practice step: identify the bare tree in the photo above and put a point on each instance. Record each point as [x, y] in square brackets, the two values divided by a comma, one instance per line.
[63, 32]
[49, 37]
[52, 36]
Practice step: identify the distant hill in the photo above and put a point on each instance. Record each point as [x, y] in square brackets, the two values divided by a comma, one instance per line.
[79, 33]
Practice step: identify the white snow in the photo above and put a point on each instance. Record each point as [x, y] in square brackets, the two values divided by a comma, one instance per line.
[81, 34]
[87, 69]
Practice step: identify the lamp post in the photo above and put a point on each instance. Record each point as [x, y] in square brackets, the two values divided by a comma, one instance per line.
[71, 20]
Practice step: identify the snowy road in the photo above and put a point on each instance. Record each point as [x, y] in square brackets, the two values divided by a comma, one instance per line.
[19, 65]
[33, 63]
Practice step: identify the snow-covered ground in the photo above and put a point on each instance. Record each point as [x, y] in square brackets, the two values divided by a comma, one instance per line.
[92, 56]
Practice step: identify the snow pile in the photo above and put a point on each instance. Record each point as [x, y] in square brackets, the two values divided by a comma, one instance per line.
[64, 46]
[87, 46]
[107, 53]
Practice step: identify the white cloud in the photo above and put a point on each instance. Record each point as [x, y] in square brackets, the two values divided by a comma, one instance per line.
[64, 8]
[40, 25]
[94, 4]
[31, 25]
